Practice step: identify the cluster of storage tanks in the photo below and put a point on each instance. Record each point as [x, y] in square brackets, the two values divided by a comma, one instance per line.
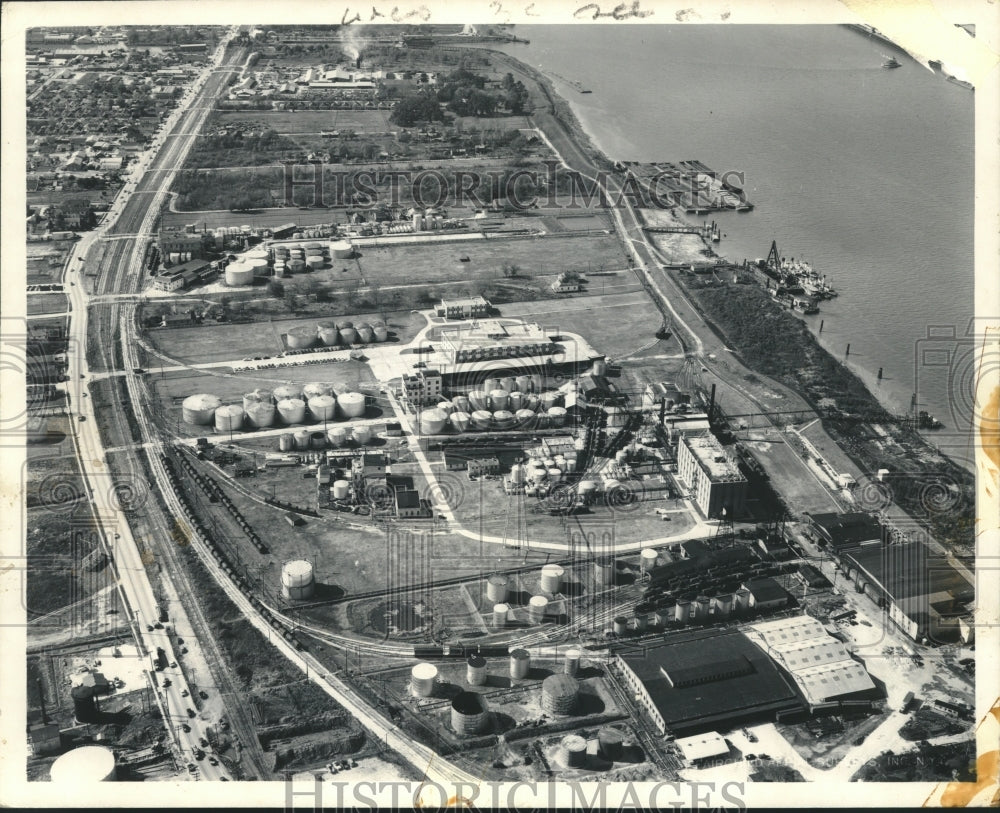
[337, 334]
[260, 409]
[252, 264]
[294, 259]
[503, 403]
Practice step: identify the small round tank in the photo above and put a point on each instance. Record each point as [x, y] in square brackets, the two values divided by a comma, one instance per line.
[503, 419]
[300, 337]
[537, 607]
[462, 403]
[337, 435]
[571, 663]
[481, 419]
[500, 612]
[348, 335]
[469, 714]
[557, 416]
[341, 489]
[496, 588]
[498, 399]
[573, 751]
[302, 438]
[286, 442]
[520, 663]
[551, 580]
[423, 678]
[362, 435]
[285, 391]
[297, 580]
[475, 671]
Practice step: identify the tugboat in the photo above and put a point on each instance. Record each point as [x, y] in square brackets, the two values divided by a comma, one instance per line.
[889, 62]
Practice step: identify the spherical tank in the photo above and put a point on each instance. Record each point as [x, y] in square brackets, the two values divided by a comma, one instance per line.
[481, 419]
[341, 489]
[300, 337]
[462, 403]
[573, 751]
[552, 576]
[286, 442]
[557, 416]
[348, 335]
[302, 439]
[496, 588]
[571, 664]
[229, 418]
[460, 421]
[423, 676]
[503, 419]
[200, 409]
[500, 615]
[522, 383]
[537, 606]
[82, 766]
[352, 404]
[432, 422]
[260, 415]
[287, 391]
[559, 693]
[329, 336]
[381, 333]
[520, 663]
[469, 714]
[292, 410]
[498, 399]
[323, 407]
[475, 670]
[297, 579]
[478, 400]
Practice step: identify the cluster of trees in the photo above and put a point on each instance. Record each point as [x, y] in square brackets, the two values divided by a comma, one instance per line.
[416, 108]
[237, 149]
[463, 92]
[221, 190]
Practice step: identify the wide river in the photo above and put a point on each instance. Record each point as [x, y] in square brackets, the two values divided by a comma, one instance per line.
[866, 173]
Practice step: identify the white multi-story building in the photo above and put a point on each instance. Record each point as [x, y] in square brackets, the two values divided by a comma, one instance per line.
[712, 476]
[422, 387]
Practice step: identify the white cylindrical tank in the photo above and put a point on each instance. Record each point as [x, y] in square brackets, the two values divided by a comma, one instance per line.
[552, 576]
[572, 662]
[522, 383]
[557, 416]
[300, 337]
[341, 249]
[341, 489]
[200, 409]
[352, 404]
[362, 435]
[323, 407]
[432, 421]
[537, 607]
[83, 766]
[260, 415]
[286, 442]
[531, 402]
[423, 676]
[508, 384]
[554, 473]
[503, 419]
[229, 418]
[524, 419]
[549, 400]
[498, 399]
[496, 588]
[462, 403]
[381, 332]
[586, 488]
[257, 396]
[460, 421]
[647, 559]
[475, 670]
[292, 410]
[257, 264]
[366, 335]
[478, 400]
[285, 391]
[348, 335]
[491, 384]
[315, 389]
[295, 265]
[604, 571]
[337, 435]
[329, 336]
[520, 663]
[518, 474]
[682, 610]
[481, 419]
[500, 612]
[315, 262]
[297, 580]
[573, 751]
[302, 439]
[447, 407]
[238, 274]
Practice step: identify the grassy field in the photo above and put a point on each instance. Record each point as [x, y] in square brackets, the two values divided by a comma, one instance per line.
[312, 121]
[47, 303]
[232, 342]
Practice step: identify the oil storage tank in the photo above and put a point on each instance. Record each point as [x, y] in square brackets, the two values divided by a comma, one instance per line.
[520, 663]
[481, 419]
[329, 336]
[200, 409]
[381, 332]
[432, 421]
[362, 435]
[315, 389]
[503, 419]
[341, 250]
[609, 743]
[292, 410]
[537, 607]
[341, 489]
[337, 436]
[297, 581]
[571, 664]
[348, 335]
[479, 400]
[287, 391]
[648, 559]
[323, 407]
[257, 396]
[496, 588]
[573, 751]
[239, 274]
[365, 333]
[302, 438]
[84, 766]
[462, 403]
[524, 419]
[475, 670]
[498, 399]
[604, 570]
[552, 576]
[557, 416]
[459, 421]
[352, 404]
[559, 694]
[423, 678]
[500, 612]
[469, 714]
[229, 418]
[299, 338]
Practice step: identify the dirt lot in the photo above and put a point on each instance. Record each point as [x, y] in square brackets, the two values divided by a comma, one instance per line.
[232, 342]
[789, 473]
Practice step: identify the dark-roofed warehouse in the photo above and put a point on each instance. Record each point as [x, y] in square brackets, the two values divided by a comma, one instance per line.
[703, 680]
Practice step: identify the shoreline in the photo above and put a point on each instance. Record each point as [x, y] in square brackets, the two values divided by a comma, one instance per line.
[562, 112]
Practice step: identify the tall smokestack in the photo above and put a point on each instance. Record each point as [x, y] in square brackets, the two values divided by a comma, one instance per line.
[711, 402]
[357, 62]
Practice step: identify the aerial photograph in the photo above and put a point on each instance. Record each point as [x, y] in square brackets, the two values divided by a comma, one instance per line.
[415, 403]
